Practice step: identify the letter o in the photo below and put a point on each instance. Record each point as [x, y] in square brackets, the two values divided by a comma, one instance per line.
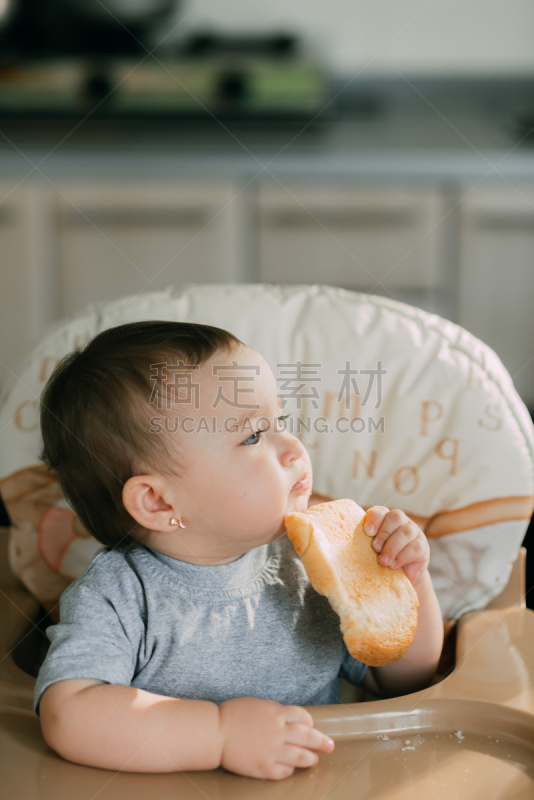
[406, 480]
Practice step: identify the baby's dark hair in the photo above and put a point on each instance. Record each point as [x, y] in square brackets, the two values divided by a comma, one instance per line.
[96, 410]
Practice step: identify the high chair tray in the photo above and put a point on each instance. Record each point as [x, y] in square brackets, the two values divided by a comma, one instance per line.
[469, 736]
[439, 750]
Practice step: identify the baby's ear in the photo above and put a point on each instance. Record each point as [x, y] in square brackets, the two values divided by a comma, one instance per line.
[142, 498]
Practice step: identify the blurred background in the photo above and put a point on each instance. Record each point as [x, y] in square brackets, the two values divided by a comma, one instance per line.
[381, 146]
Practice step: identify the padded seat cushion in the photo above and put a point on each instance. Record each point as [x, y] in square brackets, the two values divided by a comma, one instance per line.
[397, 407]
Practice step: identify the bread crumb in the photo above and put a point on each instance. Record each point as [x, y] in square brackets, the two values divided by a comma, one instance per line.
[459, 736]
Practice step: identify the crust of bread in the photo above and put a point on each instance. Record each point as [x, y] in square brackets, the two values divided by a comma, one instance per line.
[377, 605]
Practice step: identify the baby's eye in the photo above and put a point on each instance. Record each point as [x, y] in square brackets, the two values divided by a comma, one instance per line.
[254, 438]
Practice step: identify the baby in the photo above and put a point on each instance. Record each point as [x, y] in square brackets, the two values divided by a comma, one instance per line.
[194, 639]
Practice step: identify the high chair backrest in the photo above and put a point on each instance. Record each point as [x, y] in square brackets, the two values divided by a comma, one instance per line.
[397, 407]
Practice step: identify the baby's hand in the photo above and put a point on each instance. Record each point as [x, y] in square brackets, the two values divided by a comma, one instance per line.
[400, 542]
[264, 739]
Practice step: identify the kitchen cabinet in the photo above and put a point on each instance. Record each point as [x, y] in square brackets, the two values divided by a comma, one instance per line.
[126, 238]
[369, 239]
[496, 276]
[66, 244]
[468, 256]
[25, 303]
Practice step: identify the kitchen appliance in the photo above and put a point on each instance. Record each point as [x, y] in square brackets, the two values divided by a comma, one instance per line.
[80, 27]
[265, 76]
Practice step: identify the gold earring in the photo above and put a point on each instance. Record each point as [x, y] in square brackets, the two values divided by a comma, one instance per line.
[173, 521]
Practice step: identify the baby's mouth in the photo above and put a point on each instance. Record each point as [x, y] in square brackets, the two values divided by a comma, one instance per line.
[303, 485]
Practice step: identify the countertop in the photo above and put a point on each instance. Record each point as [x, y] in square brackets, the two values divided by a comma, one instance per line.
[424, 131]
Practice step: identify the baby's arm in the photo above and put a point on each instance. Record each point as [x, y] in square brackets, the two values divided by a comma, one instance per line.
[122, 728]
[400, 543]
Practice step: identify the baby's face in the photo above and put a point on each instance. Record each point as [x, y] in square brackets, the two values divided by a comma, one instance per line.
[241, 470]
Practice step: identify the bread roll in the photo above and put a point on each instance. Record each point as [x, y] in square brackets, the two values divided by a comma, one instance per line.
[377, 605]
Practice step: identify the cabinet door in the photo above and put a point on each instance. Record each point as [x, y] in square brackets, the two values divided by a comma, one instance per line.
[27, 287]
[378, 240]
[496, 297]
[118, 240]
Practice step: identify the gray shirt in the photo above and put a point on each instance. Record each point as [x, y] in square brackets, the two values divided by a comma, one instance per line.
[254, 627]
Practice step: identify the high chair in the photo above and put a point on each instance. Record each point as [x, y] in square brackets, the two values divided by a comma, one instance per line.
[397, 407]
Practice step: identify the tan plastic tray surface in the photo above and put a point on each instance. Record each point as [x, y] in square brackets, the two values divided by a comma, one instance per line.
[439, 750]
[470, 736]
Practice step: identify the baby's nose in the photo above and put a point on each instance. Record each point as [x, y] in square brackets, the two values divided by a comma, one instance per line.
[292, 450]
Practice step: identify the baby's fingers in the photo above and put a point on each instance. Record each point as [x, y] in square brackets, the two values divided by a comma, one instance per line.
[374, 518]
[405, 546]
[299, 715]
[393, 533]
[292, 756]
[309, 738]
